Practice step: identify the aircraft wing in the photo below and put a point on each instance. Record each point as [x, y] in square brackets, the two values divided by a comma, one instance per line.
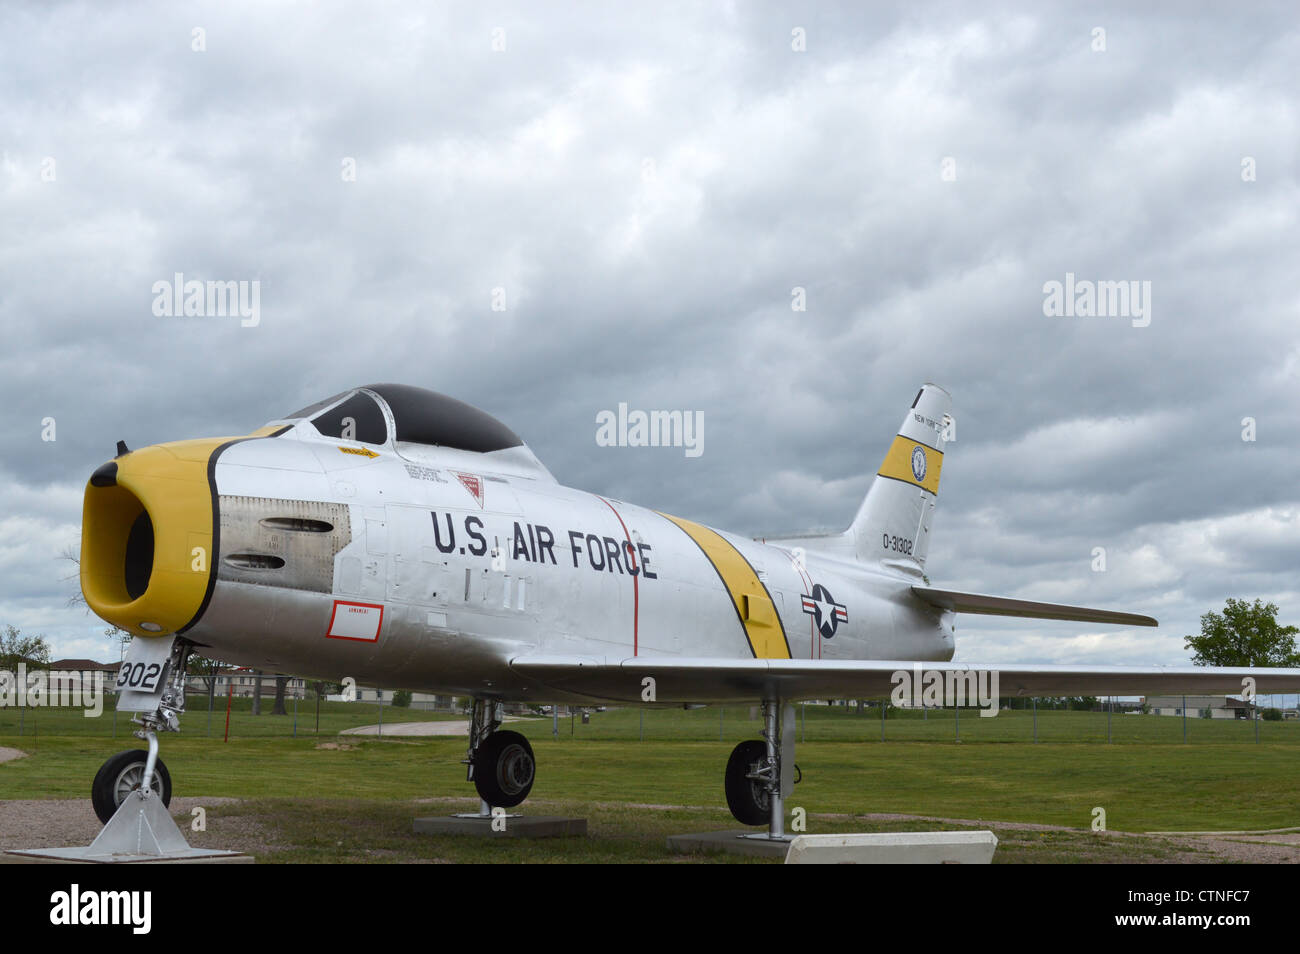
[699, 680]
[1005, 606]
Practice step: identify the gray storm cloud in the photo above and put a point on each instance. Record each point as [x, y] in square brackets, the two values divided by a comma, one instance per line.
[644, 187]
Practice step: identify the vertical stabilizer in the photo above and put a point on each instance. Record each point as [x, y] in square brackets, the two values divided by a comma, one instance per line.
[893, 522]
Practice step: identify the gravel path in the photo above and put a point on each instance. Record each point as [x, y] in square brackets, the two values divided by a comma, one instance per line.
[7, 754]
[68, 822]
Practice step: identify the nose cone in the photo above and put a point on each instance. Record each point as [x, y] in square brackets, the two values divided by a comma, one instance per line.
[148, 522]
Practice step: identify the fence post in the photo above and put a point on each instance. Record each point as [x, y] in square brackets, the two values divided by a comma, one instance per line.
[1035, 719]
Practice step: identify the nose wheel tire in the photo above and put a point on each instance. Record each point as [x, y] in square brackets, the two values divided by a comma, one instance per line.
[120, 776]
[747, 798]
[504, 769]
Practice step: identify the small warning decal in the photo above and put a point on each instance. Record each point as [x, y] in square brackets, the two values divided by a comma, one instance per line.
[360, 621]
[474, 484]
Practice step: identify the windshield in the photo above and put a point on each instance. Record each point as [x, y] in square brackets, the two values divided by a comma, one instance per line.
[356, 419]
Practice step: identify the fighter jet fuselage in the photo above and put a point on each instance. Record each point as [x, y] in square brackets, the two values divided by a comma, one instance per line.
[323, 545]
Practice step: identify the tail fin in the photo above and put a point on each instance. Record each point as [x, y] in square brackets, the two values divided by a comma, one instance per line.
[893, 522]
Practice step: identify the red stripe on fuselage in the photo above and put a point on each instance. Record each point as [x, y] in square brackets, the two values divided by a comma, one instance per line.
[636, 580]
[814, 648]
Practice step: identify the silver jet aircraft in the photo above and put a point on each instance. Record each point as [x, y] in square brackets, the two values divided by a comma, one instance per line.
[406, 539]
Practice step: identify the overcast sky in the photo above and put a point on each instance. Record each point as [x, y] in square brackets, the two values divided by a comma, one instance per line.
[648, 184]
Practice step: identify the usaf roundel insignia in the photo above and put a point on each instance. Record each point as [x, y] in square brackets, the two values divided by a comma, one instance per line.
[918, 463]
[828, 614]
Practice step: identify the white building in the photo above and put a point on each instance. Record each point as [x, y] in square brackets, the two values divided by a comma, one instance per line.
[1201, 707]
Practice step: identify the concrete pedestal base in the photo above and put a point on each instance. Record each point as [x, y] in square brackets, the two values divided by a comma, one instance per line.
[736, 842]
[518, 826]
[81, 856]
[141, 831]
[881, 848]
[895, 848]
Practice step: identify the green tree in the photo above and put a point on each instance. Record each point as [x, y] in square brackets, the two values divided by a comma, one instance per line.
[323, 688]
[402, 698]
[16, 648]
[1244, 634]
[207, 670]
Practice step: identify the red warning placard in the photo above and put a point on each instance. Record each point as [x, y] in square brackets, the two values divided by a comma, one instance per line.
[359, 621]
[473, 483]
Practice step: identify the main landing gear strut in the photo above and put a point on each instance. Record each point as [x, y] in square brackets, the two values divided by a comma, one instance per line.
[499, 763]
[761, 773]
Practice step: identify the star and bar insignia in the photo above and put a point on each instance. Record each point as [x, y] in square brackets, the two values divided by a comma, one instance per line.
[823, 608]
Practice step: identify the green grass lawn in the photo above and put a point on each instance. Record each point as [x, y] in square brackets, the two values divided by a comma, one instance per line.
[838, 723]
[636, 792]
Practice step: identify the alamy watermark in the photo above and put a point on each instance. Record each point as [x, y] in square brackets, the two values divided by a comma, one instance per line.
[636, 428]
[1082, 298]
[179, 298]
[48, 688]
[946, 687]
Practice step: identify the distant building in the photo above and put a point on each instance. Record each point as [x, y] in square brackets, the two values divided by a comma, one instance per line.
[1201, 707]
[242, 683]
[87, 668]
[419, 700]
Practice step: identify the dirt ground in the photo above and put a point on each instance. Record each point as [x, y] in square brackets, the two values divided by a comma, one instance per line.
[56, 823]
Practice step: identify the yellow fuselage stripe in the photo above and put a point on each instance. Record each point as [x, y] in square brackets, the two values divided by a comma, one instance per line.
[898, 464]
[757, 614]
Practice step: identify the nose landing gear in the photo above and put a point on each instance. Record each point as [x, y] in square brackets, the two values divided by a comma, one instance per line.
[151, 683]
[123, 774]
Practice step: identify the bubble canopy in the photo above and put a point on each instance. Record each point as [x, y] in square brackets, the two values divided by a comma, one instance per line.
[420, 416]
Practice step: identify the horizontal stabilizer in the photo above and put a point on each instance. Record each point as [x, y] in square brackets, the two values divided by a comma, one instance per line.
[686, 680]
[1005, 606]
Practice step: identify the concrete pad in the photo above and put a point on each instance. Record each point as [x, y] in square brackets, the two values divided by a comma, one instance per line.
[520, 826]
[895, 848]
[434, 727]
[732, 842]
[78, 856]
